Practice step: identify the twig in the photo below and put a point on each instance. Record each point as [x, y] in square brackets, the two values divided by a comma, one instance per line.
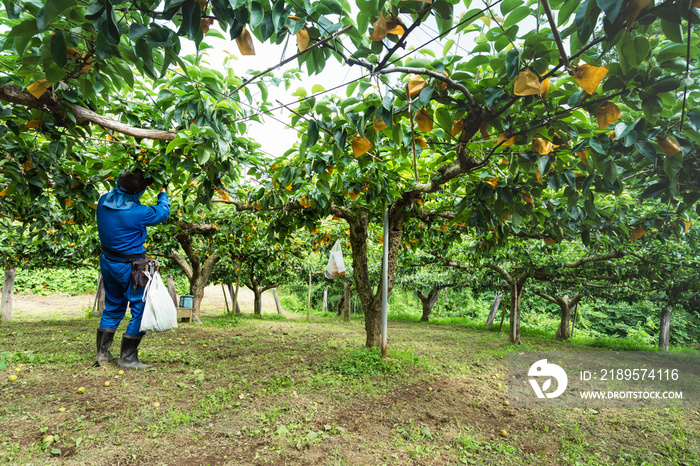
[433, 74]
[404, 36]
[555, 33]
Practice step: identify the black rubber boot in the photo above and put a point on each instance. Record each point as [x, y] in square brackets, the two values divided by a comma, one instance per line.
[105, 337]
[130, 354]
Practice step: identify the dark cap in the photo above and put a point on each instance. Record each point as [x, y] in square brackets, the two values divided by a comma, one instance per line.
[133, 183]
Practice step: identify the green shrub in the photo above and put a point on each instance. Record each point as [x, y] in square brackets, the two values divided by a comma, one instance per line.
[65, 281]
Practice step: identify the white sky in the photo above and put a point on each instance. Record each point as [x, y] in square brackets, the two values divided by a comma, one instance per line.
[273, 135]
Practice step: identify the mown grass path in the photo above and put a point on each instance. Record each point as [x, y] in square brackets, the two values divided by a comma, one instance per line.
[286, 391]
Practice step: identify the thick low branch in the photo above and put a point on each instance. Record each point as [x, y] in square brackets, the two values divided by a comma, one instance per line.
[177, 257]
[186, 228]
[186, 244]
[585, 260]
[209, 265]
[48, 103]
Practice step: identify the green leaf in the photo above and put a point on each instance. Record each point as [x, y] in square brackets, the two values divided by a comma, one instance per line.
[611, 8]
[124, 71]
[370, 7]
[334, 5]
[509, 5]
[22, 34]
[257, 14]
[137, 30]
[609, 171]
[144, 51]
[586, 19]
[673, 164]
[516, 16]
[512, 64]
[566, 10]
[59, 49]
[654, 190]
[312, 133]
[672, 30]
[652, 105]
[646, 149]
[52, 9]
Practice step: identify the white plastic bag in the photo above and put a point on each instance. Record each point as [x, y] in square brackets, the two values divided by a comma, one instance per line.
[159, 314]
[336, 266]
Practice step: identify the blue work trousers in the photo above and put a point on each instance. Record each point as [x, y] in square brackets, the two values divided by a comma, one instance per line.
[116, 277]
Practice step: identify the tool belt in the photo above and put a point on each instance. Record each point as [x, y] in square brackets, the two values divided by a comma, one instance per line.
[139, 266]
[129, 257]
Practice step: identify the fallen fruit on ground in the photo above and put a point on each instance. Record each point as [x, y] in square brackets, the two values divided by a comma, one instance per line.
[504, 433]
[107, 384]
[61, 410]
[120, 373]
[48, 439]
[81, 390]
[156, 404]
[12, 378]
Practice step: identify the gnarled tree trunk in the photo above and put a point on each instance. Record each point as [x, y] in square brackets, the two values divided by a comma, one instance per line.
[566, 305]
[197, 274]
[8, 287]
[428, 302]
[516, 284]
[370, 298]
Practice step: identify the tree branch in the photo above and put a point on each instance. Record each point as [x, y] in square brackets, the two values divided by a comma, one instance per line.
[186, 228]
[177, 257]
[404, 36]
[585, 260]
[433, 74]
[48, 103]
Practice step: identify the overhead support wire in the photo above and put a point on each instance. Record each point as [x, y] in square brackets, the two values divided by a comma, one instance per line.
[293, 57]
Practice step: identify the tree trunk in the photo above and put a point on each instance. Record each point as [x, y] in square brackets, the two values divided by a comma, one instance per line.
[277, 301]
[308, 304]
[665, 329]
[234, 298]
[428, 302]
[8, 287]
[197, 292]
[341, 304]
[563, 329]
[197, 273]
[325, 300]
[171, 289]
[566, 305]
[257, 303]
[515, 298]
[494, 309]
[99, 298]
[370, 299]
[346, 300]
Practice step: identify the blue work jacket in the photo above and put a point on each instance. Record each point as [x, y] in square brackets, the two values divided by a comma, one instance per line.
[124, 231]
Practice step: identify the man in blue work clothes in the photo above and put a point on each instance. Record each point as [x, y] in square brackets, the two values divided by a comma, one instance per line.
[121, 224]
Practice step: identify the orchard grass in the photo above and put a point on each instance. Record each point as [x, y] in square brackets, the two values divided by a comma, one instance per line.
[281, 390]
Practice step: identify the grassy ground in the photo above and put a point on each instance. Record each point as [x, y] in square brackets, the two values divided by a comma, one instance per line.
[286, 391]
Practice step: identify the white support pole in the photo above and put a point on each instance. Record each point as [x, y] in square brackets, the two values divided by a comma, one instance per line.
[385, 282]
